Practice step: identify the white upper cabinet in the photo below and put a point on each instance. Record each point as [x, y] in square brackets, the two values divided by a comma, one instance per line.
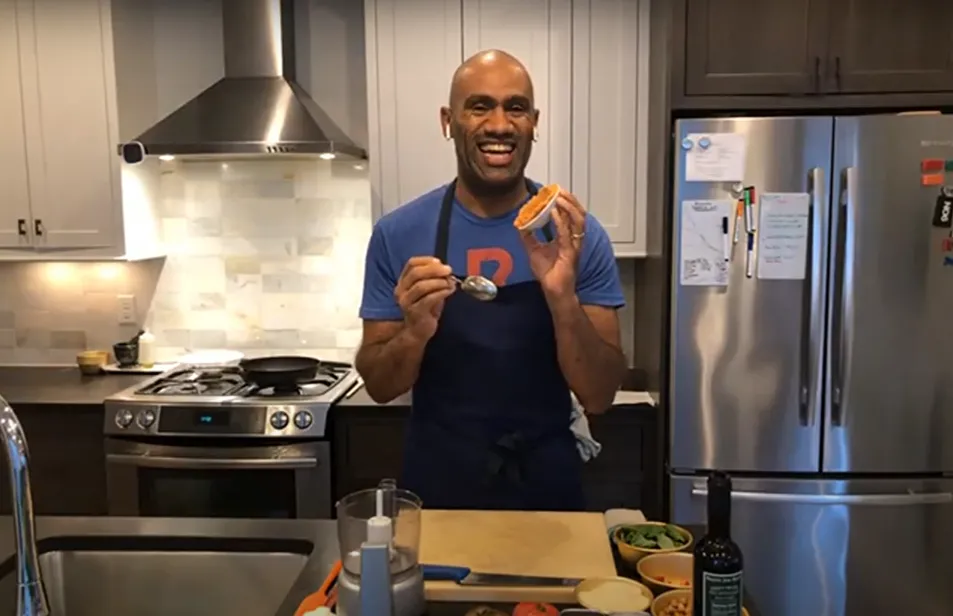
[538, 33]
[589, 61]
[59, 135]
[71, 153]
[413, 47]
[15, 204]
[610, 116]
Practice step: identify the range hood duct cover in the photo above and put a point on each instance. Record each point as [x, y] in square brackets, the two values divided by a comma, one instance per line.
[257, 108]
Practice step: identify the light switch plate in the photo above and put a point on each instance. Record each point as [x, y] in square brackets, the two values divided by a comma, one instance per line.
[127, 309]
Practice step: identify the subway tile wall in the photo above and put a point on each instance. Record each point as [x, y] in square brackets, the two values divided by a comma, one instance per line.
[262, 256]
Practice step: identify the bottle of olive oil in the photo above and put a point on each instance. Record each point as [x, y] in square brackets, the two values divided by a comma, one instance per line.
[717, 585]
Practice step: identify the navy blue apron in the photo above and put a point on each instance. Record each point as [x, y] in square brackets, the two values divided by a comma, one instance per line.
[490, 425]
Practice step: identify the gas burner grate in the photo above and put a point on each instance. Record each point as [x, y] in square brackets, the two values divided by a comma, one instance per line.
[192, 381]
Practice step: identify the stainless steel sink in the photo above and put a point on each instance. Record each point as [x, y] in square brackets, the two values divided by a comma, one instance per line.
[159, 576]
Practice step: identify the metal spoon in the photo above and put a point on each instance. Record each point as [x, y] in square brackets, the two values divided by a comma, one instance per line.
[479, 287]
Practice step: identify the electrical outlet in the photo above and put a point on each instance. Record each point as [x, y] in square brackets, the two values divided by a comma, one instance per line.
[127, 309]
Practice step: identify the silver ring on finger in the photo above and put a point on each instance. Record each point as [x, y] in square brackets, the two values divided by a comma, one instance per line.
[578, 236]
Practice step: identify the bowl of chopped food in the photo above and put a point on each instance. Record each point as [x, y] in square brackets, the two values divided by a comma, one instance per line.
[668, 571]
[636, 541]
[535, 213]
[677, 603]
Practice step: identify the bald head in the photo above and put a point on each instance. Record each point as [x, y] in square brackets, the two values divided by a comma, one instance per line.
[495, 64]
[491, 119]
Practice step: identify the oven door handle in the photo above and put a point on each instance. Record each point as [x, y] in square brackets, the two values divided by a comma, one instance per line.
[211, 463]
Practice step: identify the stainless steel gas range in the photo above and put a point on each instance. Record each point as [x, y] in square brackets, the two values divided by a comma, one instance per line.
[204, 442]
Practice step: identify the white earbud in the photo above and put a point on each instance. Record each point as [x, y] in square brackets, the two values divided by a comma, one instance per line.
[446, 132]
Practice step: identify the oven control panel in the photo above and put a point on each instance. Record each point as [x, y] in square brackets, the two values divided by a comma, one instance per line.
[275, 421]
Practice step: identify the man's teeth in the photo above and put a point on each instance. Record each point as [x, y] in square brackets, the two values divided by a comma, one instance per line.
[496, 148]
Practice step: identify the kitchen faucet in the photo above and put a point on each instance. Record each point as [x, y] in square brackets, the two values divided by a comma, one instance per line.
[31, 596]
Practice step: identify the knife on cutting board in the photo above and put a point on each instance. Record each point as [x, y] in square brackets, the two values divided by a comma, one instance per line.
[465, 577]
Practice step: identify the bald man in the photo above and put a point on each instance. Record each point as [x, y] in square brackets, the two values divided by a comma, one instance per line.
[491, 381]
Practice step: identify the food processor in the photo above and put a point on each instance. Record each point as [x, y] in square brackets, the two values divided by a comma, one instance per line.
[379, 540]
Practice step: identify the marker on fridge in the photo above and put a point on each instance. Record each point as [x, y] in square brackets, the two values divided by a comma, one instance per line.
[725, 240]
[749, 260]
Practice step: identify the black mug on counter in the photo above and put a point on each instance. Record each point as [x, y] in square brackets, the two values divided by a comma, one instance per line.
[127, 353]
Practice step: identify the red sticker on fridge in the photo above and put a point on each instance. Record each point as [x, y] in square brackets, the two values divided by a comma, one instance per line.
[931, 165]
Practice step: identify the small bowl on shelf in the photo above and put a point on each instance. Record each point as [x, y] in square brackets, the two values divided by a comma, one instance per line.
[668, 571]
[632, 554]
[91, 362]
[662, 603]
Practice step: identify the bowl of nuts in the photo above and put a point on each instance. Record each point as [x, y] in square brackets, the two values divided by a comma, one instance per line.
[676, 603]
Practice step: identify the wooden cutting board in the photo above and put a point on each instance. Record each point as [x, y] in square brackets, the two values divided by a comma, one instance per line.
[517, 542]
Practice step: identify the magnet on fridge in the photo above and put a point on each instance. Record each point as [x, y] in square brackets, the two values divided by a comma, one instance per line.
[947, 244]
[687, 144]
[704, 142]
[948, 165]
[931, 165]
[947, 261]
[931, 179]
[947, 191]
[943, 212]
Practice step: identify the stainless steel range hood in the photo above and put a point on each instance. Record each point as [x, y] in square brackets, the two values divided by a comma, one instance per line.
[257, 108]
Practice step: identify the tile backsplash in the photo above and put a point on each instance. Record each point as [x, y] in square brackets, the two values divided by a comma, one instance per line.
[262, 256]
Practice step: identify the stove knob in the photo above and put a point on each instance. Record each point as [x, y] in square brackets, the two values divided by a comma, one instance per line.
[124, 418]
[146, 418]
[279, 420]
[303, 419]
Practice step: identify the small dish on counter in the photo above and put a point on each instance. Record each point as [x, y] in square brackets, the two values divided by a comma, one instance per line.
[636, 541]
[91, 362]
[670, 571]
[677, 603]
[613, 595]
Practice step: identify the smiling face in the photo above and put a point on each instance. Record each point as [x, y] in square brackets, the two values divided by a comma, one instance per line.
[491, 119]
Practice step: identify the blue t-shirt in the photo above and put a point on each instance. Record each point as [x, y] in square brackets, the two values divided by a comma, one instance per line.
[486, 246]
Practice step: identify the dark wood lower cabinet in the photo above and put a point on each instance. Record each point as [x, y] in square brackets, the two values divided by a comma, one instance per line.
[67, 460]
[369, 443]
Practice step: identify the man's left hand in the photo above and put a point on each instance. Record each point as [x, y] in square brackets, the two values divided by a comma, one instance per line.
[554, 263]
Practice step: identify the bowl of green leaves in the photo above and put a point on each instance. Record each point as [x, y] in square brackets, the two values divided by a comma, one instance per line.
[636, 541]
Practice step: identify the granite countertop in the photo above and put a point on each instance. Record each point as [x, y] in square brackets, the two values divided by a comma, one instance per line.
[361, 399]
[54, 385]
[49, 385]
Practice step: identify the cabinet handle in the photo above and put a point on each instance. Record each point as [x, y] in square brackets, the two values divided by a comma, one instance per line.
[837, 71]
[817, 73]
[38, 227]
[21, 227]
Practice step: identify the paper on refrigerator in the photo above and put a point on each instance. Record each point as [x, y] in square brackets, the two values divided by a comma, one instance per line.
[715, 157]
[782, 235]
[702, 255]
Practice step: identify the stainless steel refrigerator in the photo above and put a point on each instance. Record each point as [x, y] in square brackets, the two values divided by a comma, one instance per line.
[826, 393]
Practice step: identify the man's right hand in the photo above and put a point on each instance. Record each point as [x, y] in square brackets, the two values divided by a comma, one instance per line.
[421, 290]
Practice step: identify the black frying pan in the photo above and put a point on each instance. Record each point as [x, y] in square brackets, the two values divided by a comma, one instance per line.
[281, 372]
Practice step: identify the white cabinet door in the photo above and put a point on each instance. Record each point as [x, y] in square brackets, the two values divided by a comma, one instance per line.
[539, 33]
[610, 116]
[15, 203]
[68, 97]
[413, 47]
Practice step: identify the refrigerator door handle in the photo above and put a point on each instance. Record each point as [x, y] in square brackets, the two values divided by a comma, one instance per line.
[872, 500]
[812, 314]
[843, 314]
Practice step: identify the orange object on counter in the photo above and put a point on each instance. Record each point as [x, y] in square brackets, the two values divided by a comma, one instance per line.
[320, 597]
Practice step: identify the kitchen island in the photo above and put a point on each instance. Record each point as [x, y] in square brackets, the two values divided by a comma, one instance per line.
[314, 541]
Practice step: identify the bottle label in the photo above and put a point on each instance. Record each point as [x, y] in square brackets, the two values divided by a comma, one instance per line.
[721, 594]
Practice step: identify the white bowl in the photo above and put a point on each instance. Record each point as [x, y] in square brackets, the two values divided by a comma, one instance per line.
[542, 218]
